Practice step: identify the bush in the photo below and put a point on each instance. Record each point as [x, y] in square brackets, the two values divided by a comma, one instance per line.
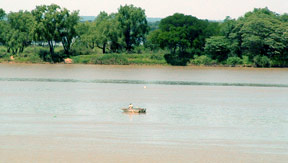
[156, 57]
[56, 57]
[246, 61]
[29, 59]
[234, 61]
[203, 60]
[176, 59]
[111, 59]
[262, 61]
[84, 59]
[45, 55]
[80, 50]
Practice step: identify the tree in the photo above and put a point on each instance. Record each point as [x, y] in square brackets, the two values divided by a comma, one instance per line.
[217, 47]
[152, 41]
[2, 14]
[54, 24]
[19, 31]
[103, 33]
[261, 33]
[258, 34]
[102, 26]
[180, 32]
[86, 34]
[133, 25]
[67, 28]
[2, 26]
[106, 32]
[47, 22]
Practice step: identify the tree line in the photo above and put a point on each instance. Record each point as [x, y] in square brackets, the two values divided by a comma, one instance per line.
[258, 38]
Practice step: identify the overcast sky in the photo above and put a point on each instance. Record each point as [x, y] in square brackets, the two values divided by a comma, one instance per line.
[203, 9]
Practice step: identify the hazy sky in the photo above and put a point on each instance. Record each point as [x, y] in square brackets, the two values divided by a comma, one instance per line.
[204, 9]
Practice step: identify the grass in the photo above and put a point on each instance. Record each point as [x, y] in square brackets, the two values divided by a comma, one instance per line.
[31, 54]
[34, 54]
[119, 59]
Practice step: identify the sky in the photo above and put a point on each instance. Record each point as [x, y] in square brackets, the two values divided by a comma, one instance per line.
[203, 9]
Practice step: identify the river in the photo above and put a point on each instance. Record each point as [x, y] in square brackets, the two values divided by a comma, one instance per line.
[72, 113]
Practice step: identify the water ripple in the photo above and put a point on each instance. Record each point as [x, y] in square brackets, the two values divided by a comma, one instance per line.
[157, 82]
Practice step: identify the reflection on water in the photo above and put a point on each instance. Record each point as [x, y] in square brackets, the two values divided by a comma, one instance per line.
[132, 115]
[184, 105]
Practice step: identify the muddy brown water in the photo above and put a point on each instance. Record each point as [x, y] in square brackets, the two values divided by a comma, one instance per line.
[192, 113]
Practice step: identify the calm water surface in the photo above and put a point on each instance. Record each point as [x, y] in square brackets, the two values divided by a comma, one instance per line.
[186, 106]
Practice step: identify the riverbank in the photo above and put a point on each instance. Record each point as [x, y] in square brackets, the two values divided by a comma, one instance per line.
[41, 55]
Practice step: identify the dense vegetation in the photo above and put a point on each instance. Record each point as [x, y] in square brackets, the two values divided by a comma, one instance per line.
[50, 33]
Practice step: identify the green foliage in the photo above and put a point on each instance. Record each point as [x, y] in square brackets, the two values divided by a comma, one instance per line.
[246, 61]
[178, 32]
[203, 60]
[233, 61]
[2, 14]
[152, 41]
[157, 57]
[177, 59]
[262, 61]
[28, 59]
[86, 37]
[16, 31]
[53, 25]
[260, 38]
[112, 59]
[80, 50]
[3, 52]
[67, 28]
[47, 21]
[45, 55]
[217, 47]
[133, 25]
[106, 59]
[84, 59]
[120, 59]
[183, 35]
[227, 26]
[259, 32]
[106, 32]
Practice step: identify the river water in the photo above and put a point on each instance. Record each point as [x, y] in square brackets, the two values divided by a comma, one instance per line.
[245, 109]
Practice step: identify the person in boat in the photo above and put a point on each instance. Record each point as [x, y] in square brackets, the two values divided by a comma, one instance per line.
[130, 107]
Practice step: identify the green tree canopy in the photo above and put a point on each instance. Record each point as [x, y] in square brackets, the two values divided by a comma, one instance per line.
[133, 25]
[54, 24]
[2, 26]
[261, 32]
[86, 36]
[179, 32]
[217, 47]
[2, 14]
[67, 28]
[19, 29]
[106, 31]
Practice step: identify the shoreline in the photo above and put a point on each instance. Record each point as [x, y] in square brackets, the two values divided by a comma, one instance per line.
[144, 65]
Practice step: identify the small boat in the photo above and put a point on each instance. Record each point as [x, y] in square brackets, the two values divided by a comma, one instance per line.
[134, 110]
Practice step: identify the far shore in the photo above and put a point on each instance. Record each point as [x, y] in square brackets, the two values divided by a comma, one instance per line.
[145, 65]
